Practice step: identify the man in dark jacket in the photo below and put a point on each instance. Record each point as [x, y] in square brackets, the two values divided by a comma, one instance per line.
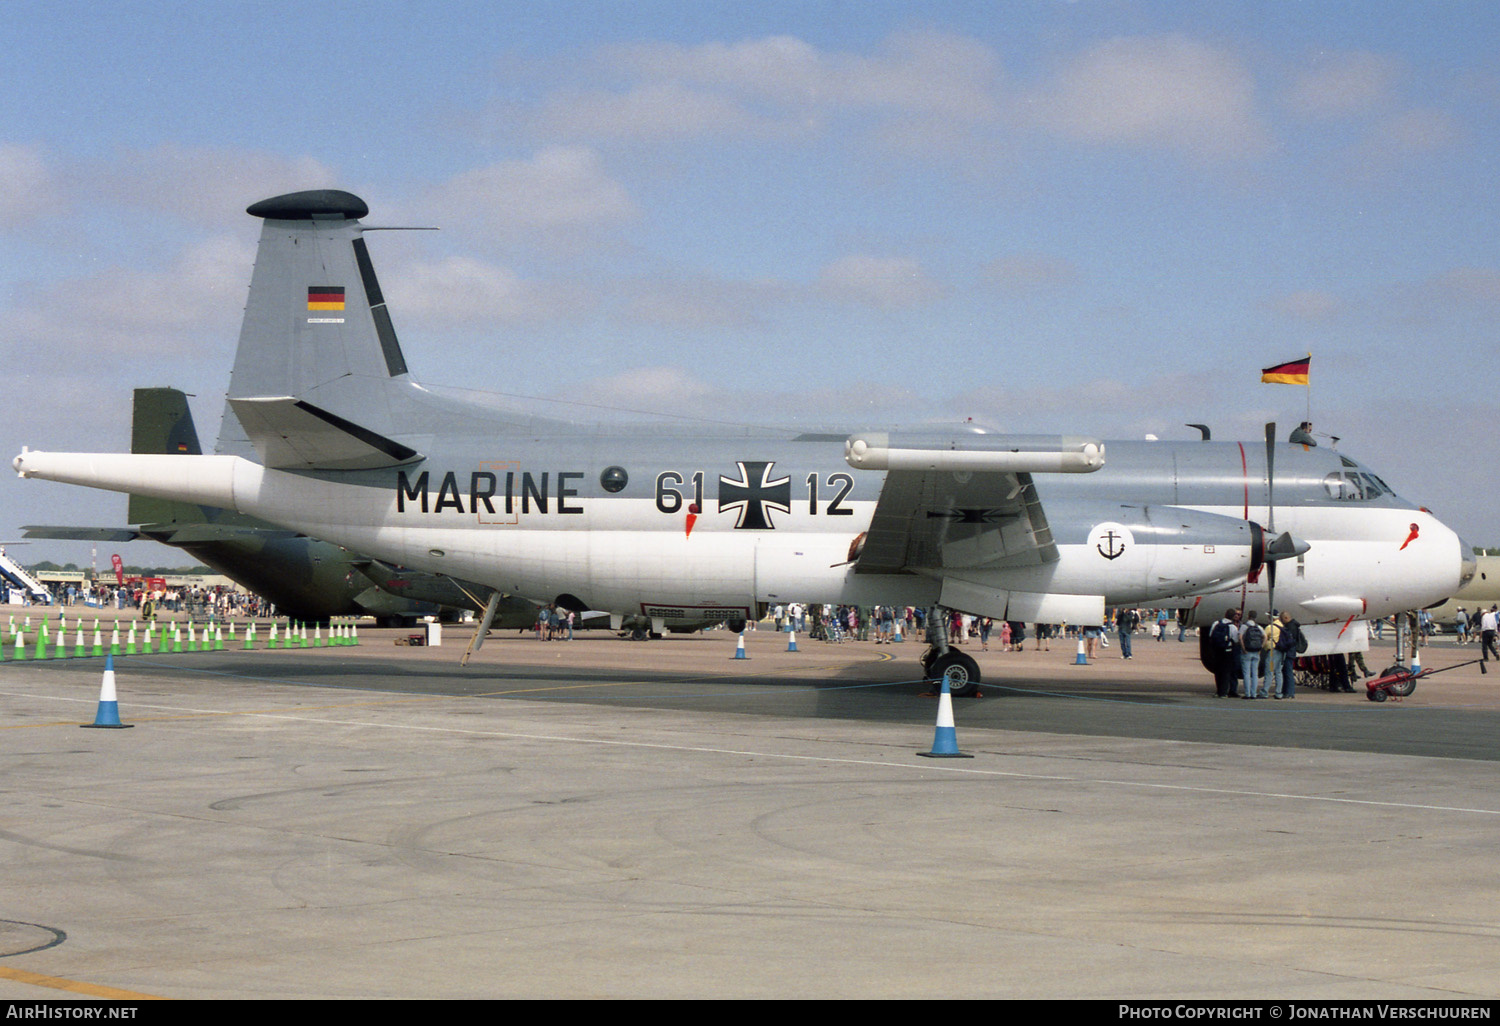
[1126, 622]
[1288, 641]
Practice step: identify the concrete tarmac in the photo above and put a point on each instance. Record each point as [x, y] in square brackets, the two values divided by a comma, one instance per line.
[604, 818]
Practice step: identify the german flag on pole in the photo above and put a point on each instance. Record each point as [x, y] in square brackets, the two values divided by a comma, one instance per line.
[1293, 373]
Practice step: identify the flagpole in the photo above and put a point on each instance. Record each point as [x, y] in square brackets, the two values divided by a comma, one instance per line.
[1309, 388]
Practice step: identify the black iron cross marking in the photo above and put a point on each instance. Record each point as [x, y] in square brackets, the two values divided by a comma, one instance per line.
[753, 494]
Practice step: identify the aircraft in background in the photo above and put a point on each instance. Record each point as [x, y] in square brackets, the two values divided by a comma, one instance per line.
[327, 434]
[1479, 593]
[306, 579]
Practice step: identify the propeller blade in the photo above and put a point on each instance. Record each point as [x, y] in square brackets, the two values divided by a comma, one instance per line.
[1270, 516]
[1271, 476]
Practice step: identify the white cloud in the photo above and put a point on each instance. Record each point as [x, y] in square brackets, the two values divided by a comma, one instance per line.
[663, 388]
[1028, 272]
[1468, 284]
[881, 282]
[463, 290]
[701, 304]
[559, 187]
[28, 188]
[191, 308]
[777, 84]
[1410, 132]
[208, 185]
[1308, 305]
[651, 111]
[1340, 84]
[1167, 91]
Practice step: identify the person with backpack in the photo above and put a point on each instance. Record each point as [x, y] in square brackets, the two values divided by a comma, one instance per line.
[1288, 643]
[1223, 640]
[1252, 640]
[1273, 657]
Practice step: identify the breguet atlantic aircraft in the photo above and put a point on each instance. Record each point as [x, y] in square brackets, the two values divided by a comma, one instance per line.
[327, 434]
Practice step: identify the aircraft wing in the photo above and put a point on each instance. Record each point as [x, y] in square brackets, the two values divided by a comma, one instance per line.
[962, 501]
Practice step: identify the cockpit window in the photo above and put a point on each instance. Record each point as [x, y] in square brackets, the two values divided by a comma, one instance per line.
[1354, 486]
[1344, 486]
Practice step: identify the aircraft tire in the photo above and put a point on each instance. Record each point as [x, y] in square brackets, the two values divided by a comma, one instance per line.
[735, 626]
[1404, 688]
[963, 679]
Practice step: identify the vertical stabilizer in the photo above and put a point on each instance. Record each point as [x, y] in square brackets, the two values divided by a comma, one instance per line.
[316, 327]
[162, 423]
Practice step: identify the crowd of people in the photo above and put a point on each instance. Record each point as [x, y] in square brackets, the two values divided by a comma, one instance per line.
[1255, 661]
[205, 602]
[886, 624]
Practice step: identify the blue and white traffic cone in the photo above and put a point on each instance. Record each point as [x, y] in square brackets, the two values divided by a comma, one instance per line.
[1082, 659]
[945, 738]
[791, 641]
[109, 708]
[739, 651]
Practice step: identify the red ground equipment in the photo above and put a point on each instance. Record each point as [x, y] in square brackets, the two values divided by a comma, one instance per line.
[1399, 681]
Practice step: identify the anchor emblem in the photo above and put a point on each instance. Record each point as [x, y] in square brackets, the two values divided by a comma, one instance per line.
[1108, 547]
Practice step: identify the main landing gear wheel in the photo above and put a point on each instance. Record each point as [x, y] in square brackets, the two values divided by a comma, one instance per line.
[962, 673]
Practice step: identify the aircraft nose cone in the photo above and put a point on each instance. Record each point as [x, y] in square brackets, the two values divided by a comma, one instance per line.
[1450, 563]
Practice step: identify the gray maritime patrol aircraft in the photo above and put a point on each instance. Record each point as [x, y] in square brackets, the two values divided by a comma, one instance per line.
[327, 434]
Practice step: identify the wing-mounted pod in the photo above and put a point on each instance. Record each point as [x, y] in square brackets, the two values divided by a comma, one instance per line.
[974, 453]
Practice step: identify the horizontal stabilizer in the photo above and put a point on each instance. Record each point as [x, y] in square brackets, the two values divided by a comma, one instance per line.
[95, 534]
[197, 534]
[290, 434]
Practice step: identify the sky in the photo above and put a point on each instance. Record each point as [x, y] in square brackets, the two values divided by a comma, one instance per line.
[1098, 218]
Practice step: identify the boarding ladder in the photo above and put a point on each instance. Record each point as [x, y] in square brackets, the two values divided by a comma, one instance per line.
[17, 575]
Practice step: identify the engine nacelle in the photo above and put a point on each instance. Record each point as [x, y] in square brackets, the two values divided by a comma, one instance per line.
[1138, 554]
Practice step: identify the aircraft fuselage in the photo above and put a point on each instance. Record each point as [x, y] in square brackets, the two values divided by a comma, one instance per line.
[688, 525]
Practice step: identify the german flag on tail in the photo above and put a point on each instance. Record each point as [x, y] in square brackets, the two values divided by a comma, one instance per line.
[1293, 373]
[325, 297]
